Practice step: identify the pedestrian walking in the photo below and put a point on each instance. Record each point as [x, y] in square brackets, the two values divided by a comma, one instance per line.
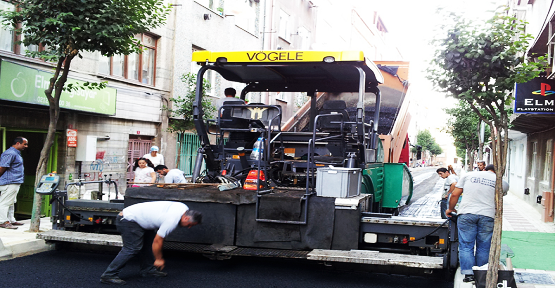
[475, 217]
[143, 228]
[11, 178]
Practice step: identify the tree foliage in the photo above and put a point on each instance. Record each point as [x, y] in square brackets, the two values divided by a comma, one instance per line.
[68, 27]
[464, 126]
[182, 108]
[424, 138]
[65, 28]
[480, 63]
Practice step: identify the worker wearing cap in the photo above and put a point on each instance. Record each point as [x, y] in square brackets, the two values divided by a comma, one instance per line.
[154, 156]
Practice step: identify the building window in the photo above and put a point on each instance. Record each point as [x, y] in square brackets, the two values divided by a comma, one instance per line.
[520, 160]
[304, 38]
[548, 160]
[6, 35]
[209, 75]
[244, 12]
[283, 25]
[211, 5]
[8, 39]
[534, 156]
[138, 67]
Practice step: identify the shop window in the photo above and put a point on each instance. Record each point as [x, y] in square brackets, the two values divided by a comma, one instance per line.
[534, 156]
[138, 67]
[548, 160]
[520, 160]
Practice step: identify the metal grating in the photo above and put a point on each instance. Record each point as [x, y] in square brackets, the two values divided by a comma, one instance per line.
[261, 252]
[187, 146]
[254, 252]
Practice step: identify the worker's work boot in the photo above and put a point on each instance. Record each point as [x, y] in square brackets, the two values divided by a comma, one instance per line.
[154, 273]
[468, 278]
[112, 280]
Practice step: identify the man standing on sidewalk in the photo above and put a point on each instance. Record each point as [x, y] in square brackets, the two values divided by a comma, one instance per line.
[11, 177]
[481, 165]
[476, 215]
[143, 228]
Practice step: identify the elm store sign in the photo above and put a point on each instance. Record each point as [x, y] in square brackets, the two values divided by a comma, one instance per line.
[536, 96]
[23, 84]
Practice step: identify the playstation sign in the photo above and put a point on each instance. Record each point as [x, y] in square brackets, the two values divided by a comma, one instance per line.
[536, 96]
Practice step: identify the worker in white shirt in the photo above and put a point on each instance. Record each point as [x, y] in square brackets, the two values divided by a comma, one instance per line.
[154, 156]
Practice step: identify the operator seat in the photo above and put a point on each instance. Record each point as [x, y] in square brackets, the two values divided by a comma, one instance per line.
[226, 118]
[333, 123]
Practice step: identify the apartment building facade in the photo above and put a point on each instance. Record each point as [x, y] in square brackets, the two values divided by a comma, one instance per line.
[530, 160]
[113, 126]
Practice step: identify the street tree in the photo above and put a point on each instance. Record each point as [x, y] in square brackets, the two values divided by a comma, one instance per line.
[181, 110]
[427, 142]
[66, 28]
[464, 126]
[480, 63]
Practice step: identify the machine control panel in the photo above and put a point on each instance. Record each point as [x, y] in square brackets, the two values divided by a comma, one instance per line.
[48, 183]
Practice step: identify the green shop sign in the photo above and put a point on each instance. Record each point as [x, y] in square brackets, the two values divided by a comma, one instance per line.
[23, 84]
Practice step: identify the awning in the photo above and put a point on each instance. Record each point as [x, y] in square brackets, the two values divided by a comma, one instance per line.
[531, 123]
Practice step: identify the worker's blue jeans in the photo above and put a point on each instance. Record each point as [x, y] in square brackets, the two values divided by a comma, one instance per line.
[474, 229]
[136, 240]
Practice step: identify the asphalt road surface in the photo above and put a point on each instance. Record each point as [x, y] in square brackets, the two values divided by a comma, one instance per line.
[63, 268]
[426, 194]
[83, 269]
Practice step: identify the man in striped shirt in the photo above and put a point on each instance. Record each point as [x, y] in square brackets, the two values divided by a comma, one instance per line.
[11, 177]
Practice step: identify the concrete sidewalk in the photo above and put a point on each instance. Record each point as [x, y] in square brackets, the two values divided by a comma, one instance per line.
[522, 221]
[20, 242]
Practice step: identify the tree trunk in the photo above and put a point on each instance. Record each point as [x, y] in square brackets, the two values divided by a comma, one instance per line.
[480, 142]
[471, 159]
[56, 85]
[499, 149]
[41, 167]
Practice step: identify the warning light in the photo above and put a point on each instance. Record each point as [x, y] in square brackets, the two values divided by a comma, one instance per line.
[252, 180]
[237, 156]
[441, 241]
[68, 217]
[90, 219]
[412, 238]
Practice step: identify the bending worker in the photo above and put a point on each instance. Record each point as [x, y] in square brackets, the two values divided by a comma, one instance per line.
[448, 187]
[137, 225]
[170, 176]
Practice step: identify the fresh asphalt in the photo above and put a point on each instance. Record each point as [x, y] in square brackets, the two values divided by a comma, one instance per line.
[62, 268]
